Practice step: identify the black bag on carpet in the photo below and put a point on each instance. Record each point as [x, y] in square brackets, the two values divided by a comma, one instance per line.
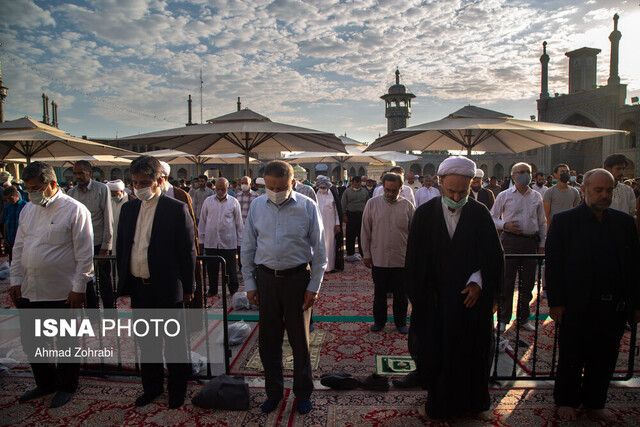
[224, 392]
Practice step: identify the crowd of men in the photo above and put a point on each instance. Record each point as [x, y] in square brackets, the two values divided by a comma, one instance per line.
[435, 241]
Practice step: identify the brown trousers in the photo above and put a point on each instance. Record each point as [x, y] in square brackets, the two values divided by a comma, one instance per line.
[281, 301]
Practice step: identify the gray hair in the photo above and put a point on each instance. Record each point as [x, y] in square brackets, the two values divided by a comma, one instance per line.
[517, 165]
[40, 170]
[225, 181]
[589, 174]
[146, 165]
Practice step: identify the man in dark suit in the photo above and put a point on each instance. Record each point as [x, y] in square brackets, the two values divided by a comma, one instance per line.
[156, 261]
[482, 195]
[593, 288]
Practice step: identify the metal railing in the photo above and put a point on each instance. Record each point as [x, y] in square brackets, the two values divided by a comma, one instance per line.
[533, 373]
[104, 369]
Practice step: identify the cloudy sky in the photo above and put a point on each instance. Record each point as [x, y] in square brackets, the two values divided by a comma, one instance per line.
[122, 67]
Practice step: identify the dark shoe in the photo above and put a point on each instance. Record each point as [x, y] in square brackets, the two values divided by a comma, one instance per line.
[146, 398]
[269, 405]
[211, 294]
[403, 329]
[34, 394]
[61, 398]
[175, 401]
[412, 380]
[304, 406]
[339, 381]
[376, 328]
[375, 382]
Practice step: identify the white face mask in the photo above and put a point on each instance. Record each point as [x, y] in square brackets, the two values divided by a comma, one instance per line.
[323, 190]
[145, 194]
[244, 187]
[278, 198]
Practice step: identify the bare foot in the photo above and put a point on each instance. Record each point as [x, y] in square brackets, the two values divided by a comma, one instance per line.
[423, 411]
[567, 413]
[603, 414]
[486, 416]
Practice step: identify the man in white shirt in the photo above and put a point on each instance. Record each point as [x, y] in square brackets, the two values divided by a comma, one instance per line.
[385, 230]
[220, 233]
[519, 213]
[405, 191]
[623, 197]
[118, 198]
[538, 185]
[52, 263]
[413, 182]
[427, 192]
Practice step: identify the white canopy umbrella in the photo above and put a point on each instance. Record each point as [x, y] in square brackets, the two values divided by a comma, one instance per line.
[30, 140]
[176, 157]
[355, 154]
[479, 129]
[105, 160]
[241, 132]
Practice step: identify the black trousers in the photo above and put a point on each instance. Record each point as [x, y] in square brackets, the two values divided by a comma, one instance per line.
[385, 280]
[518, 245]
[354, 224]
[105, 282]
[229, 256]
[588, 341]
[175, 350]
[49, 376]
[281, 301]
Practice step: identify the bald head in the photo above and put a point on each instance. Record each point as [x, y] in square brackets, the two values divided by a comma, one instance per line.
[222, 186]
[597, 187]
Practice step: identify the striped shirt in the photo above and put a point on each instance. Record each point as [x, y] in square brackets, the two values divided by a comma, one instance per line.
[245, 202]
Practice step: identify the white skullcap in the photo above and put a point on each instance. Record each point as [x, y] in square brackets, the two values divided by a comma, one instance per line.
[457, 165]
[116, 185]
[479, 173]
[166, 169]
[260, 181]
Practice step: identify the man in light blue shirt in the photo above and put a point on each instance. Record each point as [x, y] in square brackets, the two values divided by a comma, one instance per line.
[283, 261]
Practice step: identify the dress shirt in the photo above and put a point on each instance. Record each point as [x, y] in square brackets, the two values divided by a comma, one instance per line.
[526, 210]
[540, 190]
[97, 199]
[198, 197]
[141, 238]
[245, 201]
[283, 236]
[385, 231]
[415, 186]
[220, 223]
[425, 194]
[451, 219]
[405, 192]
[170, 192]
[53, 251]
[354, 200]
[623, 199]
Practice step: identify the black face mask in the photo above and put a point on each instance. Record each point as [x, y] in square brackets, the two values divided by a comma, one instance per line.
[564, 177]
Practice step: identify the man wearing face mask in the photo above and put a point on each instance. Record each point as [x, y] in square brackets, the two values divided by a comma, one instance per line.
[454, 267]
[97, 198]
[118, 198]
[283, 261]
[245, 197]
[156, 261]
[52, 264]
[519, 213]
[560, 197]
[405, 191]
[385, 229]
[371, 185]
[260, 185]
[482, 195]
[10, 217]
[220, 233]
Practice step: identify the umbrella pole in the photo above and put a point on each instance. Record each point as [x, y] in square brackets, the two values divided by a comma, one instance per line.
[246, 163]
[341, 172]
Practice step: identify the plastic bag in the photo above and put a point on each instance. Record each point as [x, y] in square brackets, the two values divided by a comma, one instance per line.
[240, 301]
[238, 333]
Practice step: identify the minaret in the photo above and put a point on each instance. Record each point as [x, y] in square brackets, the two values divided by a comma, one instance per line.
[189, 111]
[615, 36]
[397, 105]
[544, 60]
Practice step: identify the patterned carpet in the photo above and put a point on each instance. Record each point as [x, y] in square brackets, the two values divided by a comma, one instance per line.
[110, 403]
